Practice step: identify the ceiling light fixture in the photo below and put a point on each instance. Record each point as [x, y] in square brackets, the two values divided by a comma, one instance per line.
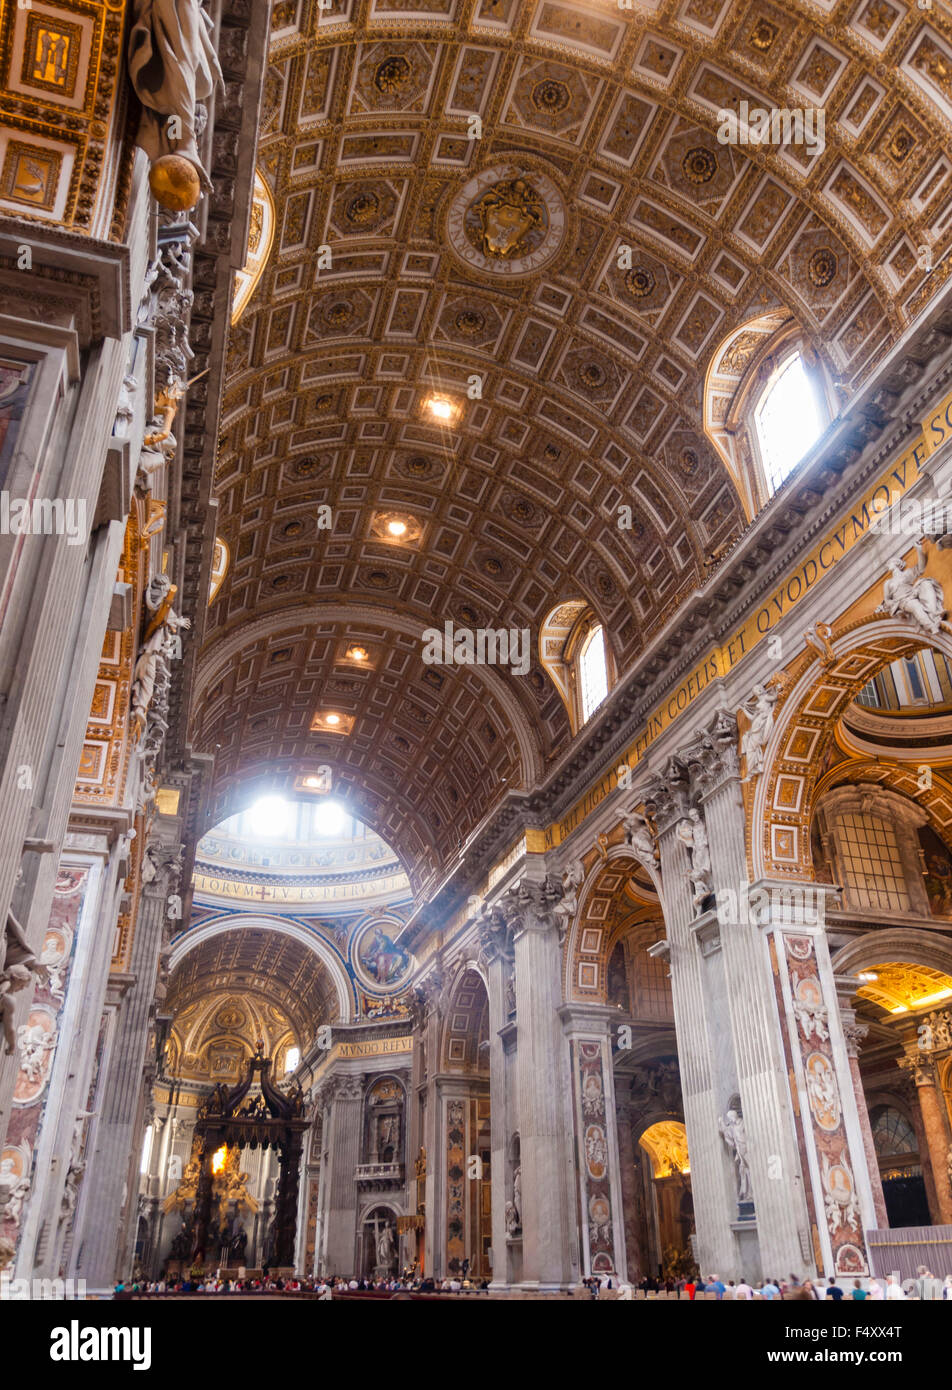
[397, 528]
[357, 653]
[332, 718]
[441, 408]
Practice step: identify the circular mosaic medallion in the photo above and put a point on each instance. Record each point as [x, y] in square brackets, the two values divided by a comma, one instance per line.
[508, 220]
[381, 965]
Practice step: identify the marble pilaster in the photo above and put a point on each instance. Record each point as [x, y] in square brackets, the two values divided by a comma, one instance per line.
[544, 1117]
[343, 1124]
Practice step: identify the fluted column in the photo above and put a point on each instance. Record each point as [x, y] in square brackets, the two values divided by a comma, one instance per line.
[108, 1171]
[549, 1237]
[854, 1032]
[921, 1068]
[698, 995]
[344, 1099]
[752, 1012]
[634, 1254]
[497, 953]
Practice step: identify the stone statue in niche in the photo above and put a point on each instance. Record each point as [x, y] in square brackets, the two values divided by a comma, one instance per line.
[173, 67]
[734, 1134]
[514, 1205]
[693, 835]
[759, 708]
[385, 1247]
[908, 594]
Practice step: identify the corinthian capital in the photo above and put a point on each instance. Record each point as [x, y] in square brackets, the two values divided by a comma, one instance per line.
[667, 795]
[342, 1088]
[919, 1067]
[495, 934]
[711, 756]
[531, 905]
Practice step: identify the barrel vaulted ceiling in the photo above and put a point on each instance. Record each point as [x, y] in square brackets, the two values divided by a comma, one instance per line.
[600, 123]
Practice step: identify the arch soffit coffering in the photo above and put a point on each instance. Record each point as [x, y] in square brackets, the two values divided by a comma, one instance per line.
[902, 944]
[784, 797]
[590, 938]
[190, 940]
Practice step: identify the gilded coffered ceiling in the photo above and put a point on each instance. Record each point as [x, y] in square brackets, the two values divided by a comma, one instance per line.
[452, 184]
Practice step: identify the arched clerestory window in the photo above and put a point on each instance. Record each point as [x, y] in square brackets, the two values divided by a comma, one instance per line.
[575, 650]
[768, 400]
[789, 417]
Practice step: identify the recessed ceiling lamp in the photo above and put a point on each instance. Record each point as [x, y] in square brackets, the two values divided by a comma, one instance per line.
[332, 718]
[441, 408]
[397, 528]
[357, 653]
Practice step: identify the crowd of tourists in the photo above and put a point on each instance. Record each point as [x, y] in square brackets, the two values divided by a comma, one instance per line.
[331, 1287]
[924, 1286]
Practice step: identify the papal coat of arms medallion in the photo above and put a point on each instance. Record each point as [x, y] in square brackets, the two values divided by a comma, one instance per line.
[508, 220]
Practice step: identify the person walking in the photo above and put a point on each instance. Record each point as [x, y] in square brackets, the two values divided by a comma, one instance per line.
[859, 1293]
[834, 1291]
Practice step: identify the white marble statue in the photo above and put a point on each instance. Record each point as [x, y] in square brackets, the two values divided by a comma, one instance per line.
[385, 1247]
[572, 880]
[907, 593]
[759, 708]
[517, 1195]
[734, 1135]
[18, 966]
[71, 1190]
[693, 834]
[13, 1192]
